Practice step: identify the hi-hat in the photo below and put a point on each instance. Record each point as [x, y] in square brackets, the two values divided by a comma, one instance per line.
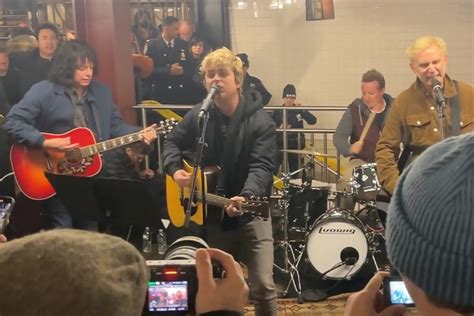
[307, 152]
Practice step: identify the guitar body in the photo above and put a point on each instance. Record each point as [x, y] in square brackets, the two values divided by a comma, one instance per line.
[30, 164]
[177, 200]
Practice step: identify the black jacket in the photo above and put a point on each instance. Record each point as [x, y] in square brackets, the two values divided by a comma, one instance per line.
[167, 89]
[250, 168]
[252, 83]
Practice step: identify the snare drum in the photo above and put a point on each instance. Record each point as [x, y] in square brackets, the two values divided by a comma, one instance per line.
[365, 182]
[337, 236]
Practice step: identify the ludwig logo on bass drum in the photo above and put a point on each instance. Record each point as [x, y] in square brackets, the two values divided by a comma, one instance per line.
[336, 230]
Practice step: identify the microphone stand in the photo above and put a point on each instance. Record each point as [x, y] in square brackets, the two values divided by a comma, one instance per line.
[442, 119]
[201, 144]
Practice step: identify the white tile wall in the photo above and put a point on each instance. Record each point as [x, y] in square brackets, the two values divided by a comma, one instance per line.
[325, 59]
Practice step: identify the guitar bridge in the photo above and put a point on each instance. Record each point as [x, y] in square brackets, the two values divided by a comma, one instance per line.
[76, 167]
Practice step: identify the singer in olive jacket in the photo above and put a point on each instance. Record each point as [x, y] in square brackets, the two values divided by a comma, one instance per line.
[413, 121]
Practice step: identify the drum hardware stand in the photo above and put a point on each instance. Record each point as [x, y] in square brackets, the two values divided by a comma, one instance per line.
[290, 268]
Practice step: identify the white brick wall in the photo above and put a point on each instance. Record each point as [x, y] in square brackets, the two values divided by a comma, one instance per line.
[325, 59]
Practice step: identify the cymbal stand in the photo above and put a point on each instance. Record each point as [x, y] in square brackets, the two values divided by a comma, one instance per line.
[290, 266]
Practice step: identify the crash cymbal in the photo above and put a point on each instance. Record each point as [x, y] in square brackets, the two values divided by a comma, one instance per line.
[307, 152]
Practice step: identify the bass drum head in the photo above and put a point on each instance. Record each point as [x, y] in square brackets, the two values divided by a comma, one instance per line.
[334, 236]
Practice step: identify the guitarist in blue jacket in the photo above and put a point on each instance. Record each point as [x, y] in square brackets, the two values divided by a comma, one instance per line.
[70, 98]
[241, 139]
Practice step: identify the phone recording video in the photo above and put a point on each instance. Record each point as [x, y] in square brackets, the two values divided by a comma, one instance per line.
[396, 292]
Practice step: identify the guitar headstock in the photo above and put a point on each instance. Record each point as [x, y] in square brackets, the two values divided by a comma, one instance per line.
[166, 126]
[257, 207]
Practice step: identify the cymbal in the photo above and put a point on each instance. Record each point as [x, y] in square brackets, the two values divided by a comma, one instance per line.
[307, 152]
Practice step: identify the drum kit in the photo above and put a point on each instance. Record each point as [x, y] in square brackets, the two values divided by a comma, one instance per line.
[338, 236]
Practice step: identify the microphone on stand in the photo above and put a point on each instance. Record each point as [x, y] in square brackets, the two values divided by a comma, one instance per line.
[438, 92]
[207, 101]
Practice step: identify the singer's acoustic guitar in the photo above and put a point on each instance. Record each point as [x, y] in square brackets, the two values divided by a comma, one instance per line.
[206, 181]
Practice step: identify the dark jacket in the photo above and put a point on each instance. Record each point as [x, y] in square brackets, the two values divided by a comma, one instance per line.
[47, 108]
[254, 148]
[167, 89]
[296, 119]
[351, 125]
[254, 84]
[31, 68]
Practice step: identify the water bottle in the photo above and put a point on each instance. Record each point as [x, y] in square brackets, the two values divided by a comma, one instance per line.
[161, 238]
[147, 240]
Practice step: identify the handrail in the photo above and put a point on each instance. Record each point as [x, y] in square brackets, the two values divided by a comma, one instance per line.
[284, 130]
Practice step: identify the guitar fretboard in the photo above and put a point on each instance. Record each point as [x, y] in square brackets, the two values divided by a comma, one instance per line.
[212, 199]
[110, 144]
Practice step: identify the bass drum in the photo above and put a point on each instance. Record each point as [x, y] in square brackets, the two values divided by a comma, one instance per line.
[337, 246]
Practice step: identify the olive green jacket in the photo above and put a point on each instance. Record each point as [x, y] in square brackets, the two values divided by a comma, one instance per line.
[413, 122]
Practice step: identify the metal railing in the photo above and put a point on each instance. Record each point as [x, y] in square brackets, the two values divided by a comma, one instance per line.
[313, 131]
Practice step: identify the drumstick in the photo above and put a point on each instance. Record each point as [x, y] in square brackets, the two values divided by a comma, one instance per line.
[367, 126]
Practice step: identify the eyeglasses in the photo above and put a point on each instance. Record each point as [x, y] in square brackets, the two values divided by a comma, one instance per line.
[290, 96]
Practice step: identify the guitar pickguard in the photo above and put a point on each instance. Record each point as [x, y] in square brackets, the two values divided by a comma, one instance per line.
[74, 167]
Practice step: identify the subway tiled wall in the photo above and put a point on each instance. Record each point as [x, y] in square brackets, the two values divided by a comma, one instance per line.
[325, 59]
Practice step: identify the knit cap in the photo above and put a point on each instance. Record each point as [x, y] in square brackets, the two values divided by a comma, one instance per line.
[430, 225]
[289, 90]
[71, 272]
[244, 58]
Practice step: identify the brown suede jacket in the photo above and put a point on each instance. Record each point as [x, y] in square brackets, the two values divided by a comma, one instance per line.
[413, 121]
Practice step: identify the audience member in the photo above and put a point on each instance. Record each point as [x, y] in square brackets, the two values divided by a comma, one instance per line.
[71, 272]
[186, 30]
[197, 52]
[225, 296]
[294, 119]
[430, 232]
[365, 115]
[34, 66]
[126, 162]
[169, 54]
[252, 83]
[413, 119]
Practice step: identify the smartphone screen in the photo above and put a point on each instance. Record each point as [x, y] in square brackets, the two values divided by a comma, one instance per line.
[168, 296]
[399, 293]
[6, 206]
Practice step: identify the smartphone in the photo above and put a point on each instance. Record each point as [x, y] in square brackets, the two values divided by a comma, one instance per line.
[6, 207]
[396, 292]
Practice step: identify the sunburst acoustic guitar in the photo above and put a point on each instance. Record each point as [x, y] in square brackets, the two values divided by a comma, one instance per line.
[29, 164]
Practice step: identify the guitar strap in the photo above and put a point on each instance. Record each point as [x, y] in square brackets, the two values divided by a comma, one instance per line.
[231, 144]
[455, 113]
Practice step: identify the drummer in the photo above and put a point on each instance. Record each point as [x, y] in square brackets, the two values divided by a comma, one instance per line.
[295, 119]
[359, 129]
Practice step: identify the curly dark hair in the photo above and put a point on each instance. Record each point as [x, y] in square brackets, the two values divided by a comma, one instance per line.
[68, 57]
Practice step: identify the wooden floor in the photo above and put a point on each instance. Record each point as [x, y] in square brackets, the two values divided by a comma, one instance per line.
[332, 306]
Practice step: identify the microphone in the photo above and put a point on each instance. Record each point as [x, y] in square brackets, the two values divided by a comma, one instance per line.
[207, 101]
[438, 92]
[349, 256]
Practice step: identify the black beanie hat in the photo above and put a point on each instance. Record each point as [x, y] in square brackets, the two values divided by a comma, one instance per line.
[289, 89]
[244, 58]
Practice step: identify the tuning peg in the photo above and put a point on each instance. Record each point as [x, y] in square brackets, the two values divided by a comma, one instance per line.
[264, 199]
[252, 198]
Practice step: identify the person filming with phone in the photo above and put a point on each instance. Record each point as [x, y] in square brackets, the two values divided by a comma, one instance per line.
[430, 234]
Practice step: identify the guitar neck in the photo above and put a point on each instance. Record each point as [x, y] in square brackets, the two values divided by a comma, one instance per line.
[110, 144]
[212, 199]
